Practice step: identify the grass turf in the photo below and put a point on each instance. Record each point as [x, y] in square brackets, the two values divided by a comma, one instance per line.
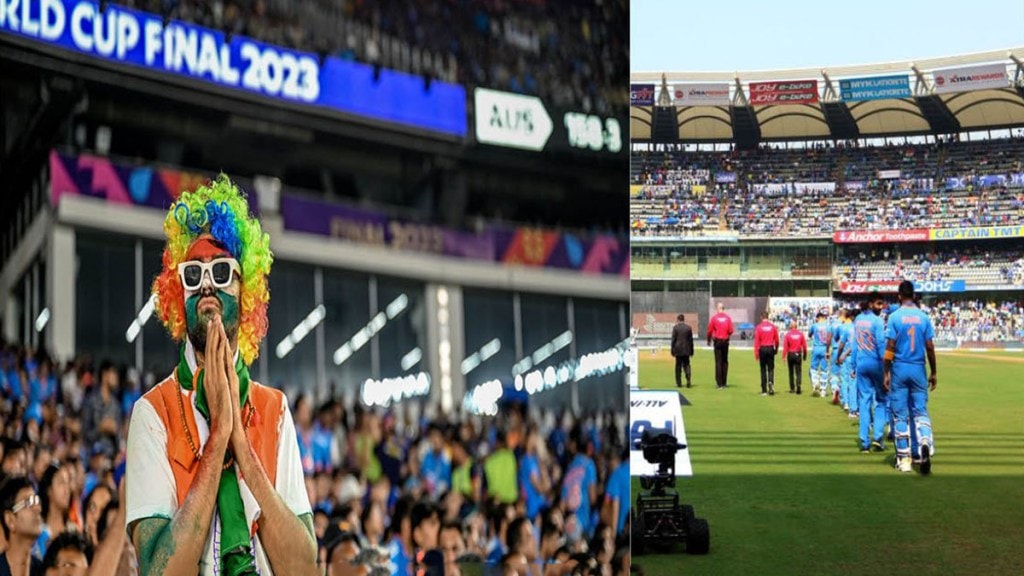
[786, 490]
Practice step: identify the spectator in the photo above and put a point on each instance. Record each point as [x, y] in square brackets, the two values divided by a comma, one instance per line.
[55, 501]
[579, 489]
[22, 523]
[400, 543]
[101, 414]
[500, 472]
[452, 544]
[437, 466]
[533, 478]
[522, 545]
[425, 522]
[67, 555]
[15, 458]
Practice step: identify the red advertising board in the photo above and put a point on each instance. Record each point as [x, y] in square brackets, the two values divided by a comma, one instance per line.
[795, 92]
[868, 287]
[661, 324]
[877, 236]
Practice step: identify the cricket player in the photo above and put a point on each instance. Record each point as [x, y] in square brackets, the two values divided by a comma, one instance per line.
[909, 338]
[872, 399]
[838, 338]
[847, 382]
[820, 336]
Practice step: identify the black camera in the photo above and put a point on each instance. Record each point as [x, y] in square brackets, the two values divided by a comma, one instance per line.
[659, 518]
[659, 446]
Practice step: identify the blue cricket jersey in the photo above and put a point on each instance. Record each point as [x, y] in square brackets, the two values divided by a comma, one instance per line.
[910, 328]
[869, 336]
[819, 335]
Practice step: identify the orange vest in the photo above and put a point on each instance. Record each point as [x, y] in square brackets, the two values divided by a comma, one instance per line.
[264, 406]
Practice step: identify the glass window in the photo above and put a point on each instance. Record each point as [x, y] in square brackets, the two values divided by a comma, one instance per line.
[159, 351]
[599, 327]
[104, 296]
[544, 318]
[406, 330]
[346, 300]
[488, 315]
[292, 298]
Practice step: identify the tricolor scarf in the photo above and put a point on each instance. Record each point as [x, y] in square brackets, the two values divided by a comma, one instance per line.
[236, 553]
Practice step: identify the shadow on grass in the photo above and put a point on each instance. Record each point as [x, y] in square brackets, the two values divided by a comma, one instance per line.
[847, 524]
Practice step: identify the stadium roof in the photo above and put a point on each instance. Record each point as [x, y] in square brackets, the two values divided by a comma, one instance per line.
[927, 104]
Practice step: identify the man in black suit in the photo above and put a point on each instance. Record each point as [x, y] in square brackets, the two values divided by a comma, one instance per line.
[682, 349]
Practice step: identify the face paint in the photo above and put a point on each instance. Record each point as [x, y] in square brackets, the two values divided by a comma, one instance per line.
[197, 324]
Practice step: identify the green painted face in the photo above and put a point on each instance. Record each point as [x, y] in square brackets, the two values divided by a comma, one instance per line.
[196, 325]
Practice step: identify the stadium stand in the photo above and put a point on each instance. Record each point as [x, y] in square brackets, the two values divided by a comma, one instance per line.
[810, 192]
[739, 199]
[356, 461]
[973, 265]
[971, 320]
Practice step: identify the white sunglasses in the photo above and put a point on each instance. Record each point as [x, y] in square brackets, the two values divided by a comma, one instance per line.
[32, 500]
[221, 271]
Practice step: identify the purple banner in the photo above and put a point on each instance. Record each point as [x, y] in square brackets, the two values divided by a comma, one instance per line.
[158, 188]
[529, 247]
[369, 227]
[725, 177]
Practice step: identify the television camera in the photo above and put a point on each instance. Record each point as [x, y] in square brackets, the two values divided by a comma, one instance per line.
[659, 518]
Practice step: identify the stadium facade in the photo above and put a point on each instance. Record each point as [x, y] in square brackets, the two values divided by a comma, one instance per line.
[805, 189]
[423, 245]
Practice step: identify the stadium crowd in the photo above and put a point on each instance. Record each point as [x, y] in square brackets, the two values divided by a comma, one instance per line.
[825, 188]
[978, 321]
[568, 53]
[803, 311]
[975, 265]
[525, 492]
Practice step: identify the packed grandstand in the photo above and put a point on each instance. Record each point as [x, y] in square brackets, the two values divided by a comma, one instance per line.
[736, 195]
[372, 475]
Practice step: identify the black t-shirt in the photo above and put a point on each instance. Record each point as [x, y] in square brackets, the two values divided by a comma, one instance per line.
[35, 567]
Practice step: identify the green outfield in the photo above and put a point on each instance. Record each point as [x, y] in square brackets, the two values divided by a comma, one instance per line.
[786, 490]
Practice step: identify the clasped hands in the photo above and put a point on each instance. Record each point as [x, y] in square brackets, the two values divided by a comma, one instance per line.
[222, 389]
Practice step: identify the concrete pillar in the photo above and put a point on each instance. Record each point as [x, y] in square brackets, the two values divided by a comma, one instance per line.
[60, 293]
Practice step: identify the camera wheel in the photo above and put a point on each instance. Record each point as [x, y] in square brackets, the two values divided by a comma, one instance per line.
[637, 542]
[698, 536]
[686, 511]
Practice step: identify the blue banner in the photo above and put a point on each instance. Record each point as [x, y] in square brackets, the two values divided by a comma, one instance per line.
[959, 183]
[878, 88]
[933, 286]
[125, 36]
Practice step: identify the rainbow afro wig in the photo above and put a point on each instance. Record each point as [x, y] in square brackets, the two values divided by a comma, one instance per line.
[218, 209]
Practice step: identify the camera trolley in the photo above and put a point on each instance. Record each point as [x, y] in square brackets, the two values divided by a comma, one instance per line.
[658, 517]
